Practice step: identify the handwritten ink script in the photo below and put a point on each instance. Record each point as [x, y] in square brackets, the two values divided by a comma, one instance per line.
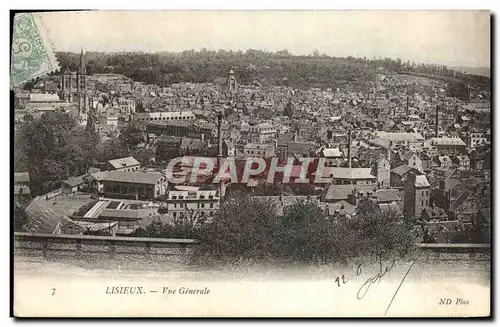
[384, 268]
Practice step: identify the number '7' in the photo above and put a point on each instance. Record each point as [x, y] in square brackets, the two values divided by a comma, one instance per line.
[53, 291]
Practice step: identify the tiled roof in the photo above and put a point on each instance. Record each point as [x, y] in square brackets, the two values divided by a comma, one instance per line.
[401, 170]
[23, 177]
[347, 173]
[301, 148]
[421, 181]
[390, 207]
[42, 218]
[458, 202]
[446, 141]
[124, 162]
[399, 137]
[341, 192]
[137, 177]
[332, 153]
[74, 181]
[343, 207]
[388, 195]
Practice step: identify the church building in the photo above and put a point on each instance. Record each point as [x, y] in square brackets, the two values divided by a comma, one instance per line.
[74, 87]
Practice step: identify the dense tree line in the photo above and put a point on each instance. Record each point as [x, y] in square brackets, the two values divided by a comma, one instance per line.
[248, 230]
[207, 66]
[280, 68]
[54, 147]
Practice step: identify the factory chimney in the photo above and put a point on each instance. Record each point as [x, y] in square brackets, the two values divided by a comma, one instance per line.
[219, 136]
[219, 154]
[437, 120]
[407, 105]
[349, 149]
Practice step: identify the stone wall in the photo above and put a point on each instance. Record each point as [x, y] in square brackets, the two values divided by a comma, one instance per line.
[102, 250]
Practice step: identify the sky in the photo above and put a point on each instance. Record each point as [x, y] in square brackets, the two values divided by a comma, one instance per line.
[453, 38]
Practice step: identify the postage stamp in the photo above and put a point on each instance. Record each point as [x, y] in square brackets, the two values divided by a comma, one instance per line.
[32, 55]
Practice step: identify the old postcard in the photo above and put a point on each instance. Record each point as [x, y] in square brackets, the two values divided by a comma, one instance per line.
[251, 164]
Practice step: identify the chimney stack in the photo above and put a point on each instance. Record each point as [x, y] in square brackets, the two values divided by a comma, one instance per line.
[219, 135]
[349, 148]
[437, 120]
[407, 105]
[219, 155]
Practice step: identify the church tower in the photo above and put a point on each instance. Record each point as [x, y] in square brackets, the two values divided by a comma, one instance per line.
[231, 83]
[81, 85]
[66, 86]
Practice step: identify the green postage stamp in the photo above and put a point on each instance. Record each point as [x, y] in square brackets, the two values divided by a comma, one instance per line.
[32, 55]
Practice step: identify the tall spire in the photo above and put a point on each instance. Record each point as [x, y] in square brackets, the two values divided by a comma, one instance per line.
[81, 68]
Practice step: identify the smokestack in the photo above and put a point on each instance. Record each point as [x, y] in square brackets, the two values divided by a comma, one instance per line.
[219, 135]
[407, 105]
[219, 155]
[437, 121]
[349, 149]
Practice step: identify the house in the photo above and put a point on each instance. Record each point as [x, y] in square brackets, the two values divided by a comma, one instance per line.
[336, 193]
[43, 219]
[300, 149]
[411, 140]
[128, 184]
[400, 174]
[73, 184]
[477, 139]
[228, 149]
[446, 145]
[417, 195]
[282, 144]
[349, 193]
[387, 196]
[389, 201]
[259, 150]
[447, 191]
[127, 217]
[434, 214]
[443, 161]
[164, 116]
[21, 186]
[341, 208]
[392, 208]
[261, 133]
[411, 159]
[168, 147]
[193, 201]
[465, 208]
[462, 161]
[382, 169]
[334, 157]
[191, 146]
[349, 176]
[124, 164]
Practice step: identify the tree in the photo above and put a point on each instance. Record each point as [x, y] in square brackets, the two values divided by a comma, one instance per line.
[111, 149]
[133, 136]
[302, 234]
[289, 109]
[241, 231]
[20, 218]
[381, 233]
[45, 145]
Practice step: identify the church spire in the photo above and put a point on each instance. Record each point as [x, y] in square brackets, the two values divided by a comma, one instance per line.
[81, 68]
